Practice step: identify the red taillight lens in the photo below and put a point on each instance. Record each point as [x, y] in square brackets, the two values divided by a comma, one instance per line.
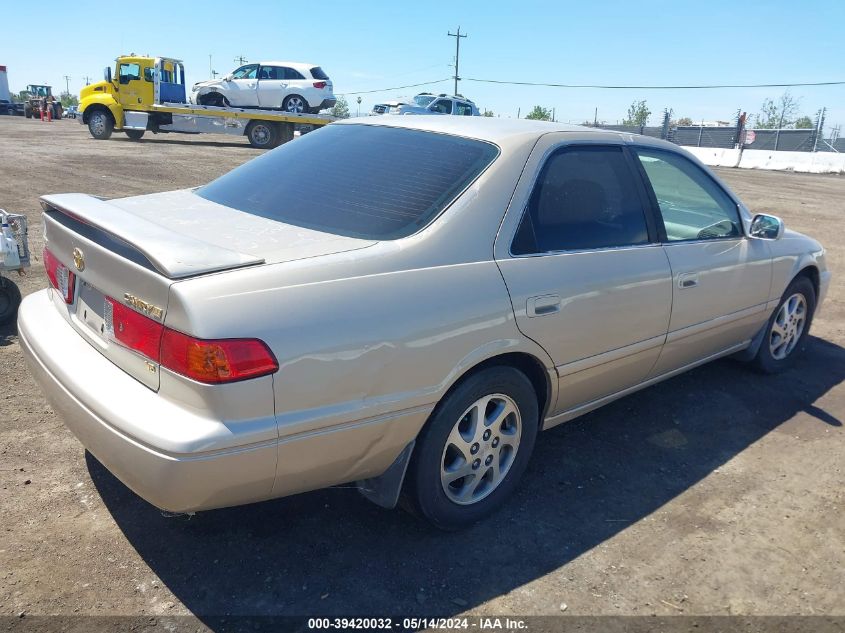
[60, 277]
[209, 361]
[320, 84]
[216, 361]
[132, 329]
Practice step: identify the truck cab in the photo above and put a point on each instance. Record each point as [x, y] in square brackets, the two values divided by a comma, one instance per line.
[136, 84]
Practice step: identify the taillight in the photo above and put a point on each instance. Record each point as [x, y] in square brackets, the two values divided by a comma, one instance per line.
[132, 329]
[216, 361]
[60, 277]
[209, 361]
[320, 84]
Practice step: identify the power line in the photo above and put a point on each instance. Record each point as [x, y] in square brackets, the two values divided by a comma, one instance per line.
[702, 87]
[366, 92]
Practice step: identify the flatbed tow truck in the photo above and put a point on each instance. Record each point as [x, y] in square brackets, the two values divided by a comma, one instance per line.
[148, 94]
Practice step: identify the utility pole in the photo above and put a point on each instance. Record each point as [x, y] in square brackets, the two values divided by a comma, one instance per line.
[67, 84]
[241, 60]
[457, 37]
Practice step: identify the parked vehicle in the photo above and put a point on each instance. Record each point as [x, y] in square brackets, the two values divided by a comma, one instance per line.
[7, 107]
[41, 97]
[387, 107]
[353, 307]
[290, 86]
[148, 94]
[427, 103]
[70, 112]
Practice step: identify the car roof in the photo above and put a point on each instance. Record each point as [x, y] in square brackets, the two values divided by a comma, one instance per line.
[290, 64]
[500, 131]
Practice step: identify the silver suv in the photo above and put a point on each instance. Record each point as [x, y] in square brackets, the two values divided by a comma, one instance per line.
[427, 103]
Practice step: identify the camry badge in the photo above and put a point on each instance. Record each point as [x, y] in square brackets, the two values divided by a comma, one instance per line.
[78, 259]
[142, 306]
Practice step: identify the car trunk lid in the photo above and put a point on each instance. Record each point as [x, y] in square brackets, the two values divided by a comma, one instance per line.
[125, 254]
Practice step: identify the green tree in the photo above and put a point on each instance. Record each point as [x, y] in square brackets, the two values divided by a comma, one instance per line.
[487, 113]
[778, 114]
[340, 109]
[539, 113]
[68, 100]
[804, 123]
[684, 120]
[638, 114]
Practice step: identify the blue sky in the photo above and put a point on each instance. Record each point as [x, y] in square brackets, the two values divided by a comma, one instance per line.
[373, 45]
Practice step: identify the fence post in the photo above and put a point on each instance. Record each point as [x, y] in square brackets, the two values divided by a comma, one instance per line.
[700, 132]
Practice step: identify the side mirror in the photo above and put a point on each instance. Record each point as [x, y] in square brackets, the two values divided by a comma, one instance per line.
[107, 74]
[766, 227]
[228, 77]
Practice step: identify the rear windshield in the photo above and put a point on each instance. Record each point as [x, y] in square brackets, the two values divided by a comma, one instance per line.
[317, 73]
[362, 181]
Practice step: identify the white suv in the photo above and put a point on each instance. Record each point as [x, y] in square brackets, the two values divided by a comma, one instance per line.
[291, 86]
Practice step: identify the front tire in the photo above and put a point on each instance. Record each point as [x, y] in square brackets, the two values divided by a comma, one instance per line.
[100, 125]
[787, 329]
[474, 449]
[10, 299]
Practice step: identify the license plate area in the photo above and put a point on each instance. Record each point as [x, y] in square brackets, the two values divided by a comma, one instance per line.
[90, 310]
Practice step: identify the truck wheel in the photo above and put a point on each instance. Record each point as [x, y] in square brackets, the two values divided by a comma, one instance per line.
[262, 134]
[295, 104]
[27, 111]
[10, 299]
[100, 125]
[135, 135]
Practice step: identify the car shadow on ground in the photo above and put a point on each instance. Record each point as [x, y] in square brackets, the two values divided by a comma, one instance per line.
[172, 141]
[332, 553]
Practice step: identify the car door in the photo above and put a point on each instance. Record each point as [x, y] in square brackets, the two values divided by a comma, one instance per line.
[272, 86]
[721, 278]
[242, 89]
[587, 277]
[441, 106]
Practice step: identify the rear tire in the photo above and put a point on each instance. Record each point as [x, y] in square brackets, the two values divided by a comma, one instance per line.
[788, 327]
[27, 111]
[135, 135]
[100, 125]
[486, 428]
[10, 299]
[262, 134]
[295, 104]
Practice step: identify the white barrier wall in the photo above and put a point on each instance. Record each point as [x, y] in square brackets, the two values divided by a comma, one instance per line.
[715, 157]
[811, 162]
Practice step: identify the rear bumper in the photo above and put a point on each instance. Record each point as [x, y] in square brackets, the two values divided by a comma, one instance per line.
[84, 388]
[328, 103]
[178, 460]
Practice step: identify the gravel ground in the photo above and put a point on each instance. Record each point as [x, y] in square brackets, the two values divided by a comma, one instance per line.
[718, 492]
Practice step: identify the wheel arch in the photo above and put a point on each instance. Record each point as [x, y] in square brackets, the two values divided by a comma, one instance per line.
[811, 272]
[97, 107]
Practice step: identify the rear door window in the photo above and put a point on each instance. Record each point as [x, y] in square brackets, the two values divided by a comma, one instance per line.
[362, 181]
[463, 109]
[586, 197]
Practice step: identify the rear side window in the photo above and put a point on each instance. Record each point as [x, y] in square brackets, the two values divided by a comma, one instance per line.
[360, 181]
[317, 73]
[463, 109]
[585, 198]
[290, 73]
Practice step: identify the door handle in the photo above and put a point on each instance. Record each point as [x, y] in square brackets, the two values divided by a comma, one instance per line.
[543, 305]
[687, 280]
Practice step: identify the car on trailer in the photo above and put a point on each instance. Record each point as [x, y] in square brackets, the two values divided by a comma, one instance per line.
[294, 87]
[148, 94]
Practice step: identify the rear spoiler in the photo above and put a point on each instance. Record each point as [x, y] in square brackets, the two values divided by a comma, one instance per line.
[174, 255]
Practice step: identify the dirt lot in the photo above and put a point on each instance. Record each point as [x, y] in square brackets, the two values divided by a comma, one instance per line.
[718, 492]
